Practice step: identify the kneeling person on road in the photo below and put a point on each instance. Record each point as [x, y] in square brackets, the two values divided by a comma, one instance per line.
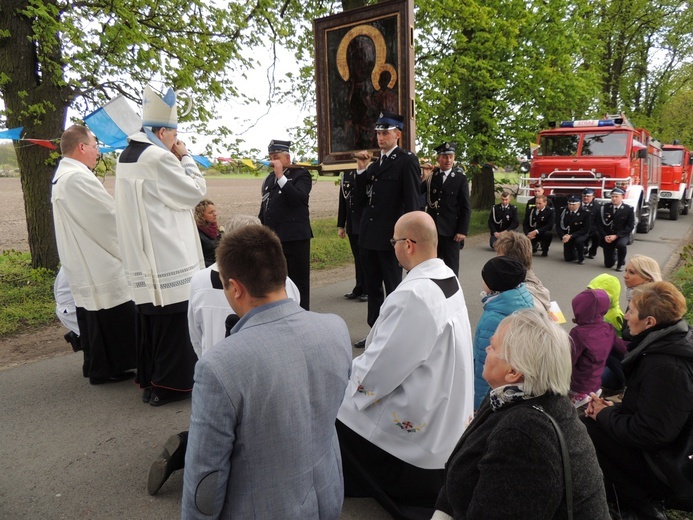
[410, 392]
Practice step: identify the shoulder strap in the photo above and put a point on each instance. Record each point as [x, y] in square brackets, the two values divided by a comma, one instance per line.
[567, 475]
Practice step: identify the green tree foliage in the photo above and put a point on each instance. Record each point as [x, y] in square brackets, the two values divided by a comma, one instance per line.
[56, 54]
[491, 73]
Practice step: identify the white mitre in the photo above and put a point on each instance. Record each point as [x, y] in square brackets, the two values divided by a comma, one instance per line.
[158, 112]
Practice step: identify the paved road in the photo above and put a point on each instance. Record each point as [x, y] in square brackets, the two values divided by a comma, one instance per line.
[73, 451]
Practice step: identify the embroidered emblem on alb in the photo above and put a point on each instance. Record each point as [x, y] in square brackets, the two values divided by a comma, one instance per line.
[361, 390]
[407, 426]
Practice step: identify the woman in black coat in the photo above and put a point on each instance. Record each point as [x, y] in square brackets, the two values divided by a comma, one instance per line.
[207, 227]
[657, 406]
[508, 463]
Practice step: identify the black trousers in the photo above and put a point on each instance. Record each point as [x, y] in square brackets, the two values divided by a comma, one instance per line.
[297, 254]
[543, 240]
[628, 478]
[165, 356]
[109, 340]
[449, 252]
[592, 244]
[614, 251]
[574, 248]
[360, 287]
[405, 491]
[379, 268]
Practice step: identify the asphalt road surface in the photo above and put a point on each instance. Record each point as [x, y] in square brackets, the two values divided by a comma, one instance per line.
[74, 451]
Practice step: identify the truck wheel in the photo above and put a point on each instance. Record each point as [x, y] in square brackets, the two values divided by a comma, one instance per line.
[684, 210]
[642, 223]
[674, 209]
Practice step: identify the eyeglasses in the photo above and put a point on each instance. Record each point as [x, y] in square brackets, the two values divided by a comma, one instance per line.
[393, 241]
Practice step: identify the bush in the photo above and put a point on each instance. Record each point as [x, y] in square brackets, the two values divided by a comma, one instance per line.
[683, 279]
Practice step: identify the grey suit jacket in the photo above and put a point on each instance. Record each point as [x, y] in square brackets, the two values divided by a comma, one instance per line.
[262, 440]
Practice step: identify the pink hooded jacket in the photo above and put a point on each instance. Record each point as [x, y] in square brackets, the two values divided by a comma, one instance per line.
[591, 340]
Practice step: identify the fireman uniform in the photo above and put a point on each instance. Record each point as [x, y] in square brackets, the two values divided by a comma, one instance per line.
[575, 223]
[618, 221]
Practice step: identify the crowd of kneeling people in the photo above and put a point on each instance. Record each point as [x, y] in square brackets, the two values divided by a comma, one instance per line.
[520, 420]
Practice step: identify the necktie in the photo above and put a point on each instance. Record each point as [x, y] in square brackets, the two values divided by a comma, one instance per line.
[382, 159]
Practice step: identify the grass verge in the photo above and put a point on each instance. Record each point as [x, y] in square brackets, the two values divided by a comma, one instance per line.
[683, 279]
[26, 294]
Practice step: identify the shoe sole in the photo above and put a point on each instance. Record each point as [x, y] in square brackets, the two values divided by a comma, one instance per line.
[160, 469]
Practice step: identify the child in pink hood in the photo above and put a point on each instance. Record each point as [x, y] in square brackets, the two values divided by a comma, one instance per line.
[592, 340]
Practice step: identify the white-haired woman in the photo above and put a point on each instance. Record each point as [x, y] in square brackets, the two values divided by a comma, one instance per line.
[508, 463]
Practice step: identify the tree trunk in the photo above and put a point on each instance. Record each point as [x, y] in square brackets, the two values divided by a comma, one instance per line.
[483, 195]
[35, 101]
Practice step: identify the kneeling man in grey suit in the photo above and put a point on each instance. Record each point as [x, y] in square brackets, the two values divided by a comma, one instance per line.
[262, 440]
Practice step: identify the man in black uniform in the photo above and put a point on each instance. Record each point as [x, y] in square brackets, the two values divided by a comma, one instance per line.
[615, 224]
[447, 201]
[538, 190]
[389, 188]
[538, 225]
[503, 217]
[573, 228]
[284, 209]
[588, 204]
[348, 224]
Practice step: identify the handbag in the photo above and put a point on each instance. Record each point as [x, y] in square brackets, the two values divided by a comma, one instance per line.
[673, 465]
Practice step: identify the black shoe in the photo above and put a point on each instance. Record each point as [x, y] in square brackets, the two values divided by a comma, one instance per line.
[147, 395]
[361, 343]
[581, 262]
[172, 457]
[363, 298]
[545, 253]
[117, 378]
[73, 339]
[161, 396]
[590, 256]
[619, 267]
[351, 296]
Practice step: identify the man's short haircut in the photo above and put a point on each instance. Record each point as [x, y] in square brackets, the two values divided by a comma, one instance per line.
[539, 349]
[72, 137]
[252, 255]
[541, 197]
[646, 267]
[505, 195]
[515, 245]
[661, 300]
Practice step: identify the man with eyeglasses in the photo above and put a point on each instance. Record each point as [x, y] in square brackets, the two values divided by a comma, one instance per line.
[386, 189]
[85, 232]
[410, 393]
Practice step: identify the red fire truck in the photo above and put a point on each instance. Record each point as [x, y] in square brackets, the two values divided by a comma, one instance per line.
[599, 154]
[675, 189]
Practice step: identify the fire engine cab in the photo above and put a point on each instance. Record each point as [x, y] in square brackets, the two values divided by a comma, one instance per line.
[599, 154]
[675, 189]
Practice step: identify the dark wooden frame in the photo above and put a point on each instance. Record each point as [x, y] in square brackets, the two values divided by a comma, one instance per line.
[348, 108]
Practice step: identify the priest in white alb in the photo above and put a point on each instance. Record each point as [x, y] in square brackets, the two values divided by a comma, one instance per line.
[410, 394]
